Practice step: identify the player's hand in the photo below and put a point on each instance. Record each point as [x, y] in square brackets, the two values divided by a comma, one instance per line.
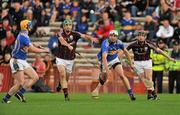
[70, 47]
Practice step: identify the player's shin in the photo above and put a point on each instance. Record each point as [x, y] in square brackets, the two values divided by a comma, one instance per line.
[101, 80]
[129, 90]
[65, 88]
[28, 84]
[150, 89]
[11, 92]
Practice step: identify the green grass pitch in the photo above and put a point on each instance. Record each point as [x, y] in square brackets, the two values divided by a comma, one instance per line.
[83, 104]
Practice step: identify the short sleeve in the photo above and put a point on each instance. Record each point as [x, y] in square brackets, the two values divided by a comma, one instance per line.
[104, 46]
[26, 41]
[129, 47]
[77, 36]
[120, 45]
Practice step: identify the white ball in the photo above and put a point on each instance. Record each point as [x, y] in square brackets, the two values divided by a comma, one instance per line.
[92, 11]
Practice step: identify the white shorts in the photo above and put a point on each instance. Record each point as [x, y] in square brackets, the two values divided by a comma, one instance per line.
[141, 65]
[18, 64]
[68, 64]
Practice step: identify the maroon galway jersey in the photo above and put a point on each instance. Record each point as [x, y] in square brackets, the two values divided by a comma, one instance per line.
[63, 51]
[141, 51]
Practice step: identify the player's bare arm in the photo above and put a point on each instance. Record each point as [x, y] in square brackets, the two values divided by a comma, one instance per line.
[88, 37]
[164, 54]
[63, 42]
[105, 63]
[161, 52]
[32, 48]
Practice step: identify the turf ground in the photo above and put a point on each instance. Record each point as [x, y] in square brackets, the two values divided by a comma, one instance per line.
[82, 104]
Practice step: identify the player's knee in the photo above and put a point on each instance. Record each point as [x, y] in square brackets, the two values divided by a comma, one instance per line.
[62, 73]
[35, 78]
[20, 83]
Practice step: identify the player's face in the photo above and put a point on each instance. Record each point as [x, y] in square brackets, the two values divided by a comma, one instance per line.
[141, 37]
[113, 37]
[68, 27]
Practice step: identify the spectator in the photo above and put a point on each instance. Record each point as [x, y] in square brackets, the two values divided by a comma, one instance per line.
[49, 66]
[5, 14]
[159, 7]
[150, 27]
[16, 14]
[114, 11]
[158, 66]
[30, 16]
[165, 32]
[88, 8]
[40, 68]
[100, 8]
[105, 26]
[75, 11]
[25, 6]
[128, 27]
[155, 18]
[14, 30]
[9, 40]
[127, 4]
[176, 18]
[66, 8]
[44, 19]
[6, 24]
[41, 23]
[138, 9]
[47, 7]
[176, 35]
[82, 27]
[5, 52]
[2, 31]
[37, 8]
[164, 12]
[152, 4]
[174, 68]
[57, 11]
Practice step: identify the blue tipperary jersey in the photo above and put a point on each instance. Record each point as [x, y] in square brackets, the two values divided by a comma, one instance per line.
[111, 49]
[21, 46]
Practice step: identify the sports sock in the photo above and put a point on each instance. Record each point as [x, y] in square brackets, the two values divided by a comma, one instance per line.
[21, 91]
[154, 92]
[65, 90]
[149, 92]
[7, 97]
[130, 92]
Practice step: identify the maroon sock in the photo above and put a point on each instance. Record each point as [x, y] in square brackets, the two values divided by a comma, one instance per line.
[65, 90]
[149, 92]
[154, 92]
